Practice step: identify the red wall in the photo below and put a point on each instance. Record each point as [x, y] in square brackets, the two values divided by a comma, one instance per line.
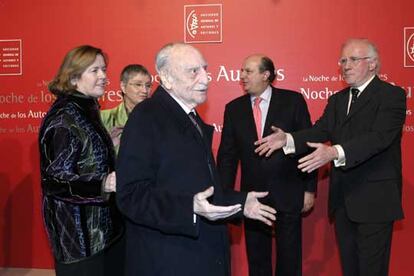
[302, 37]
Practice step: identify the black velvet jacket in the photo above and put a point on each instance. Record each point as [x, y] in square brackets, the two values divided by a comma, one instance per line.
[76, 154]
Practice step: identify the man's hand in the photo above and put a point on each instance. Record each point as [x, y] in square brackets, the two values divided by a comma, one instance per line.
[110, 183]
[308, 201]
[267, 145]
[212, 212]
[253, 209]
[319, 157]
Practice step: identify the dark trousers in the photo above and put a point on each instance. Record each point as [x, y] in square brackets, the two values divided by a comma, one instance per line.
[109, 262]
[364, 247]
[288, 229]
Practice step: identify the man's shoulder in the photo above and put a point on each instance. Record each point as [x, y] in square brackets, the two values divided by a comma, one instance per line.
[287, 93]
[386, 89]
[238, 102]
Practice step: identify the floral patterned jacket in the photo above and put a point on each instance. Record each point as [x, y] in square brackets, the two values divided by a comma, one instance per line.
[76, 154]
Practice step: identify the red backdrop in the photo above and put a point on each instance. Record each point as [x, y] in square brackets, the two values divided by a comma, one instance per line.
[302, 37]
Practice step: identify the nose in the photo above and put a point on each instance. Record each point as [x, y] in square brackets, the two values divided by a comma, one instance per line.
[204, 76]
[346, 66]
[242, 74]
[101, 74]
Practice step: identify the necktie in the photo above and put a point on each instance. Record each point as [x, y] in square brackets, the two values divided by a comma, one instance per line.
[257, 114]
[196, 122]
[354, 97]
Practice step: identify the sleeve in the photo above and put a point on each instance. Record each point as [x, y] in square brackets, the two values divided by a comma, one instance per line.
[62, 149]
[289, 148]
[341, 161]
[228, 155]
[386, 128]
[319, 132]
[141, 196]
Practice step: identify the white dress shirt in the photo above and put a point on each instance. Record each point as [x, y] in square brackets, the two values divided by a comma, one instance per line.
[264, 105]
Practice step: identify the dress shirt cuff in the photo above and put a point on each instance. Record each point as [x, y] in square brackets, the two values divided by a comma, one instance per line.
[341, 161]
[289, 148]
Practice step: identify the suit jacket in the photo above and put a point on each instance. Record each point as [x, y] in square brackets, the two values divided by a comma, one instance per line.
[278, 173]
[369, 185]
[163, 162]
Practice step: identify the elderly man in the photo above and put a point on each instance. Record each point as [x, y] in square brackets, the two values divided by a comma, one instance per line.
[364, 124]
[291, 192]
[135, 87]
[167, 181]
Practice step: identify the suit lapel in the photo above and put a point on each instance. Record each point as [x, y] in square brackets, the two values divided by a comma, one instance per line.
[365, 97]
[274, 106]
[247, 117]
[342, 105]
[184, 123]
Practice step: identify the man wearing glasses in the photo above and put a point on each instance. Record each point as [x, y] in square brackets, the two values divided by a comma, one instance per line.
[135, 87]
[363, 124]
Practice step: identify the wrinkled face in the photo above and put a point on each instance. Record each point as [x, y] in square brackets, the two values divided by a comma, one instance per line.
[186, 77]
[357, 63]
[254, 82]
[137, 88]
[93, 80]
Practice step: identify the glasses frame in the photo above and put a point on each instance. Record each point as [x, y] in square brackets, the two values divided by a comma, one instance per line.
[351, 60]
[140, 85]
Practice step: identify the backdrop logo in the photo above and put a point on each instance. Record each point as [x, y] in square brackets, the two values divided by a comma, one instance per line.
[409, 47]
[203, 23]
[10, 57]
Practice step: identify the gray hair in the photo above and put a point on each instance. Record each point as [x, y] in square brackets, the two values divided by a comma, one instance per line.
[133, 69]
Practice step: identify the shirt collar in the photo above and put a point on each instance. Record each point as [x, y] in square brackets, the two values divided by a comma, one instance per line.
[363, 86]
[186, 109]
[267, 93]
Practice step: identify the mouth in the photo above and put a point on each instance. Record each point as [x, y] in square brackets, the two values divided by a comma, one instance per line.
[201, 89]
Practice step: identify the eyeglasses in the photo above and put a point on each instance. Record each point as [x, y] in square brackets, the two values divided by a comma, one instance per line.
[137, 85]
[351, 60]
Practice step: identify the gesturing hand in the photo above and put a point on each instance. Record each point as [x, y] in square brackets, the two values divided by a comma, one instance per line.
[319, 157]
[212, 212]
[253, 209]
[267, 145]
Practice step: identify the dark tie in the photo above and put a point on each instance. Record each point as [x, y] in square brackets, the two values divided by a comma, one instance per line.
[354, 97]
[196, 122]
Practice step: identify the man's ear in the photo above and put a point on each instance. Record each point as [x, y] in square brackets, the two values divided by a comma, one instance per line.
[166, 80]
[372, 66]
[266, 74]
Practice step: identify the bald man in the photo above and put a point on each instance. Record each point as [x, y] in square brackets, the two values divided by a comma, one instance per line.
[291, 192]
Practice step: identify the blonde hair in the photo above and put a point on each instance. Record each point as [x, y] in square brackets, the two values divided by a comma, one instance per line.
[74, 64]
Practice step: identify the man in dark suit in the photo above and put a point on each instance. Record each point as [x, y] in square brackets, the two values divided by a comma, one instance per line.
[364, 124]
[167, 181]
[291, 192]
